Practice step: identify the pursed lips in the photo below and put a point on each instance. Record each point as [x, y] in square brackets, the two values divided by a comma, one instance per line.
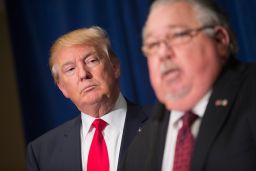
[87, 88]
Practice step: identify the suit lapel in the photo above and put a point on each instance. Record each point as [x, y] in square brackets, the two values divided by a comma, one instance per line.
[70, 154]
[158, 130]
[134, 119]
[217, 111]
[71, 148]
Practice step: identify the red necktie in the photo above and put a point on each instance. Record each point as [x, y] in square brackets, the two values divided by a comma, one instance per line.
[98, 153]
[184, 144]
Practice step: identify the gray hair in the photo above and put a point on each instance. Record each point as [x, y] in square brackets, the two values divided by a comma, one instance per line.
[208, 13]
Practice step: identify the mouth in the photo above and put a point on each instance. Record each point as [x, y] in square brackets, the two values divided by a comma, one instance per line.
[87, 89]
[171, 75]
[169, 71]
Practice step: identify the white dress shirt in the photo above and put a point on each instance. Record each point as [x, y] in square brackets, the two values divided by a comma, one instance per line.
[175, 124]
[112, 133]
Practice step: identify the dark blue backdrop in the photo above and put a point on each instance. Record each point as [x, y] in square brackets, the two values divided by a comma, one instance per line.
[36, 24]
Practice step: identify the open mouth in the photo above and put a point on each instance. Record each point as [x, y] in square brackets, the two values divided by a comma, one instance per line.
[171, 74]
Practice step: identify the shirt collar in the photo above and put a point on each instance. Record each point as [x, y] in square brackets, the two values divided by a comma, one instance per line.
[199, 109]
[113, 118]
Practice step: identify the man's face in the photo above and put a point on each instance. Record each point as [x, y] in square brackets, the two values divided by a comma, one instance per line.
[183, 72]
[85, 76]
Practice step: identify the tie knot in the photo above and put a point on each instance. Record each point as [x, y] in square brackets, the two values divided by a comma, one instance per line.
[188, 118]
[99, 124]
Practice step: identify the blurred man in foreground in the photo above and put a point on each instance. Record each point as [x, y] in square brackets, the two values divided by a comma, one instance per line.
[206, 117]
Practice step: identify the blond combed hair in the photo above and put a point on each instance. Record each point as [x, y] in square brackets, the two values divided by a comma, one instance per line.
[93, 36]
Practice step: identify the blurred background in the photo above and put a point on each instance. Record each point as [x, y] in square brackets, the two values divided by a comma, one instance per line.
[30, 102]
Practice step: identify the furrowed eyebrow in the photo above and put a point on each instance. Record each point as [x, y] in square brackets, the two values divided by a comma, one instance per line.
[66, 64]
[90, 54]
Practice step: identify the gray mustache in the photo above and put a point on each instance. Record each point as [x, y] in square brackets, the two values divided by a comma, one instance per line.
[168, 67]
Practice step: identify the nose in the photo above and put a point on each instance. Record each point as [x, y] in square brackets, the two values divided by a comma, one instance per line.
[165, 51]
[83, 72]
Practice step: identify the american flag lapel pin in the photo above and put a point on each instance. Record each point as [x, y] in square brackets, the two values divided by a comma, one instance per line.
[221, 102]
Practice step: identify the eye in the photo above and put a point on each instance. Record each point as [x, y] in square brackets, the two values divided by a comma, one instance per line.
[181, 34]
[152, 45]
[69, 69]
[92, 61]
[180, 37]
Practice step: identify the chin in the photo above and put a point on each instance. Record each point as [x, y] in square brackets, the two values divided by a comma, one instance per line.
[179, 101]
[179, 105]
[178, 95]
[91, 99]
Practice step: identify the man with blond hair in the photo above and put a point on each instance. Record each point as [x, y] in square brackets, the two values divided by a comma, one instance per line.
[87, 71]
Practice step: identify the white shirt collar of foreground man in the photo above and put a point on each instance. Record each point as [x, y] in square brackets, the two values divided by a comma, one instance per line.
[176, 123]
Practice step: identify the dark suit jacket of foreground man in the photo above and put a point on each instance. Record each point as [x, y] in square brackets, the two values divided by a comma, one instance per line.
[60, 149]
[227, 137]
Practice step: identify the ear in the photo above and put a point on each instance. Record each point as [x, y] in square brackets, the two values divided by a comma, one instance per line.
[116, 67]
[62, 88]
[222, 39]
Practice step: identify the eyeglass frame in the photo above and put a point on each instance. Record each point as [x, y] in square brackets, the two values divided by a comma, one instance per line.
[168, 39]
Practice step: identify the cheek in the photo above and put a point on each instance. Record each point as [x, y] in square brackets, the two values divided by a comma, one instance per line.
[196, 59]
[105, 77]
[66, 89]
[203, 66]
[154, 73]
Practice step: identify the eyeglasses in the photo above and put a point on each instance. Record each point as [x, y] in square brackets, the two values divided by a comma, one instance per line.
[172, 39]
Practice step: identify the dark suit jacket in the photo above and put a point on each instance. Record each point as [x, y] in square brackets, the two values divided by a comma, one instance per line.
[60, 148]
[227, 136]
